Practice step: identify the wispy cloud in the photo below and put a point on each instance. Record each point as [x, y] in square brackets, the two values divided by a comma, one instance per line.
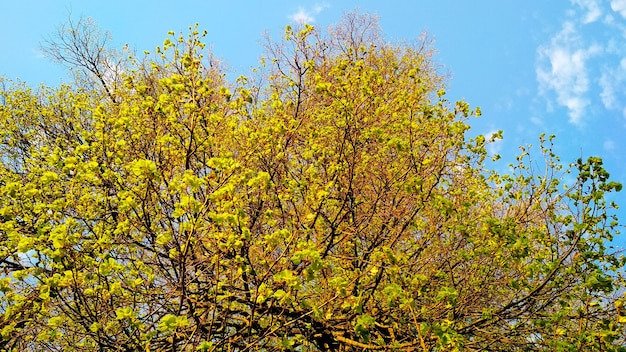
[537, 121]
[613, 68]
[619, 6]
[317, 8]
[611, 82]
[562, 69]
[592, 9]
[494, 147]
[609, 145]
[303, 15]
[582, 67]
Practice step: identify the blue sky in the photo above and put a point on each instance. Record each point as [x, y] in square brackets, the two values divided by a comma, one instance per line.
[536, 66]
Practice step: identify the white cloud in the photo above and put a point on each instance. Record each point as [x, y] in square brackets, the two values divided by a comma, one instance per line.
[592, 7]
[608, 91]
[611, 83]
[494, 147]
[582, 67]
[320, 7]
[304, 16]
[536, 121]
[562, 69]
[619, 6]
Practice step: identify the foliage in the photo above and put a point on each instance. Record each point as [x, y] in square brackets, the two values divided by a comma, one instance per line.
[336, 205]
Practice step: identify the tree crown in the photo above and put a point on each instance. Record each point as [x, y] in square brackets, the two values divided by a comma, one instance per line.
[334, 202]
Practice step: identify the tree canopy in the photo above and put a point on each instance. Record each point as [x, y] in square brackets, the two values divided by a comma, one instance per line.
[330, 201]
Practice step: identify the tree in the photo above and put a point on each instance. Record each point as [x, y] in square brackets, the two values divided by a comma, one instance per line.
[82, 46]
[337, 206]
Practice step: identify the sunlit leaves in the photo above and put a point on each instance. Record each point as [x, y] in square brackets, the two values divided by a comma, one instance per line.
[171, 322]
